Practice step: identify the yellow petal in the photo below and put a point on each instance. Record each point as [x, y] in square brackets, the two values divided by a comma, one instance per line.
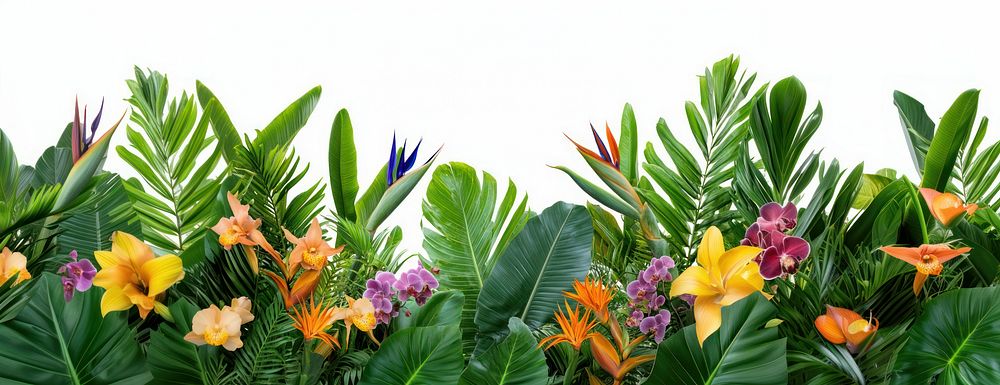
[735, 259]
[117, 276]
[105, 258]
[707, 317]
[131, 248]
[114, 299]
[161, 273]
[711, 248]
[746, 281]
[693, 281]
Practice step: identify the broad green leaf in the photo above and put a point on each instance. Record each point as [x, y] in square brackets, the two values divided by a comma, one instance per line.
[516, 360]
[172, 360]
[469, 227]
[918, 128]
[417, 356]
[954, 341]
[343, 165]
[985, 254]
[871, 185]
[528, 281]
[952, 134]
[89, 226]
[280, 132]
[444, 308]
[742, 352]
[628, 146]
[54, 342]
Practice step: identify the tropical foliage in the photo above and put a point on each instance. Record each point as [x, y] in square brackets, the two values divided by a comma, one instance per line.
[733, 253]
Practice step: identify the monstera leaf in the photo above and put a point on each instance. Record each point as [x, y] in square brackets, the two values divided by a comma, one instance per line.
[417, 356]
[743, 351]
[955, 340]
[516, 360]
[55, 342]
[528, 281]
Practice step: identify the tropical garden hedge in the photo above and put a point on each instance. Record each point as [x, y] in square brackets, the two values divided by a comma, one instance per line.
[744, 259]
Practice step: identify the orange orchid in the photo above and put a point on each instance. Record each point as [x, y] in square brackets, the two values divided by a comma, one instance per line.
[928, 259]
[314, 320]
[593, 295]
[946, 207]
[841, 325]
[216, 327]
[618, 365]
[720, 278]
[132, 275]
[359, 313]
[576, 328]
[241, 229]
[11, 264]
[311, 251]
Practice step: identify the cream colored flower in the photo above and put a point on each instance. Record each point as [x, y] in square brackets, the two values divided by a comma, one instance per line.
[216, 327]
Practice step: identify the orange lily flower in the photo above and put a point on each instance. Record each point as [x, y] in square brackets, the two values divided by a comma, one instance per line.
[593, 295]
[720, 278]
[946, 207]
[314, 320]
[615, 364]
[928, 259]
[241, 229]
[841, 325]
[359, 313]
[575, 329]
[132, 276]
[11, 264]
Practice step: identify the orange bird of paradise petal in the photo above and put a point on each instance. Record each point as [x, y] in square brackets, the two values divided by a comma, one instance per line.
[946, 207]
[313, 320]
[841, 326]
[575, 327]
[593, 295]
[928, 259]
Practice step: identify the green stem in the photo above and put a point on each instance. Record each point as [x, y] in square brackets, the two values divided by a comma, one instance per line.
[574, 359]
[920, 210]
[306, 352]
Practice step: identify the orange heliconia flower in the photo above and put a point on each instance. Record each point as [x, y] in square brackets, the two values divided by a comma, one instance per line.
[928, 259]
[314, 320]
[946, 207]
[841, 325]
[593, 295]
[575, 327]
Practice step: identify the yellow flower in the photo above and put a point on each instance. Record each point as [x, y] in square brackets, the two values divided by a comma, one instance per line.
[575, 327]
[946, 207]
[216, 327]
[593, 295]
[311, 251]
[359, 313]
[720, 278]
[131, 275]
[11, 264]
[314, 320]
[241, 306]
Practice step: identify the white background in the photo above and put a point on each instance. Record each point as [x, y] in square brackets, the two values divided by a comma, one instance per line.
[497, 84]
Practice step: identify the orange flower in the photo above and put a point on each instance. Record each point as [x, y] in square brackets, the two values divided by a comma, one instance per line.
[241, 229]
[310, 251]
[241, 306]
[314, 320]
[841, 325]
[359, 313]
[615, 364]
[946, 207]
[575, 329]
[216, 327]
[11, 264]
[928, 259]
[593, 295]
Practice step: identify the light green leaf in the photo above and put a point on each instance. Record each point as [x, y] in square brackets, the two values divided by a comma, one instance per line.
[343, 165]
[952, 133]
[516, 360]
[417, 356]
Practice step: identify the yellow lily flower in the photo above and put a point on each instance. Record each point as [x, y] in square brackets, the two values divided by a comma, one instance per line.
[720, 278]
[11, 264]
[131, 275]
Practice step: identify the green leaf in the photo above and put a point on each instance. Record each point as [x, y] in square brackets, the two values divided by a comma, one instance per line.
[985, 254]
[918, 128]
[955, 340]
[444, 308]
[417, 356]
[469, 229]
[743, 351]
[55, 342]
[628, 146]
[599, 194]
[172, 360]
[280, 132]
[871, 185]
[528, 281]
[395, 194]
[222, 126]
[516, 360]
[88, 227]
[952, 133]
[343, 165]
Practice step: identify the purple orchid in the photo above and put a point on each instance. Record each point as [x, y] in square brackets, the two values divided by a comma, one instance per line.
[657, 324]
[782, 255]
[416, 283]
[78, 275]
[644, 298]
[776, 217]
[380, 291]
